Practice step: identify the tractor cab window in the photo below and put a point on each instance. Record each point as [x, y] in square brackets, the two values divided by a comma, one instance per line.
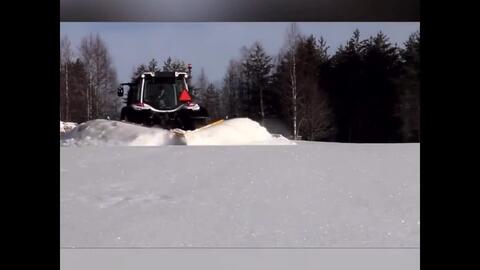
[181, 84]
[161, 93]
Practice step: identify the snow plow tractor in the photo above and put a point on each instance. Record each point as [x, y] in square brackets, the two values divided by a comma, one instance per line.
[162, 99]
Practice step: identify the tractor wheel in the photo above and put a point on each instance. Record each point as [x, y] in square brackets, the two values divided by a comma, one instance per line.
[123, 116]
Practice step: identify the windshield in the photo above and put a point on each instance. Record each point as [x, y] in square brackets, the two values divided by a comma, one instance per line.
[163, 93]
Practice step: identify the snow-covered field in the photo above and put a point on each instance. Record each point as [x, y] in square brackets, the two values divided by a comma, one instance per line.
[304, 195]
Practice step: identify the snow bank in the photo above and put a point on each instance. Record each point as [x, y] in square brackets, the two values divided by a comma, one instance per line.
[241, 131]
[111, 133]
[67, 126]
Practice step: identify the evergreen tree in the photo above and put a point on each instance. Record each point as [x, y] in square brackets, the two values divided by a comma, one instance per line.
[153, 65]
[361, 84]
[257, 70]
[139, 70]
[232, 84]
[376, 119]
[174, 65]
[142, 68]
[344, 84]
[200, 88]
[408, 109]
[315, 114]
[211, 101]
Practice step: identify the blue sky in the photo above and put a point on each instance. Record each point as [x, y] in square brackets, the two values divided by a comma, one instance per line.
[212, 45]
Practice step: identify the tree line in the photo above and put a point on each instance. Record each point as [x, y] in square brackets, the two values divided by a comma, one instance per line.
[367, 90]
[88, 81]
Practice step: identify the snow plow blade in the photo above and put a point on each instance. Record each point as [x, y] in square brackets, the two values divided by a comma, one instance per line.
[186, 134]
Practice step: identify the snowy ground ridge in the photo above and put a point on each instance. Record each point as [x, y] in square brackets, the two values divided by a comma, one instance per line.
[239, 131]
[67, 126]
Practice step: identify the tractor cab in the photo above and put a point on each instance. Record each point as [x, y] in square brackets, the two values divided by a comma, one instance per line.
[161, 98]
[159, 90]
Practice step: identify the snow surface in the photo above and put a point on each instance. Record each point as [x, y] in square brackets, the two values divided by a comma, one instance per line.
[307, 195]
[240, 131]
[240, 259]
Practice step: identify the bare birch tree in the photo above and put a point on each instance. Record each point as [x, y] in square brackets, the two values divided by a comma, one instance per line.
[101, 77]
[290, 49]
[66, 55]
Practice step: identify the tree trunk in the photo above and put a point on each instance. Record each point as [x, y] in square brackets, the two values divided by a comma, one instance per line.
[67, 103]
[262, 113]
[293, 79]
[89, 100]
